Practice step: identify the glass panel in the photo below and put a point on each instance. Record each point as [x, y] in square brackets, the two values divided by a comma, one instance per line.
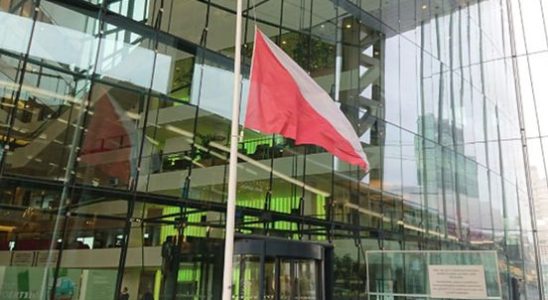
[47, 122]
[111, 140]
[405, 272]
[236, 270]
[45, 113]
[250, 284]
[385, 270]
[185, 19]
[415, 270]
[539, 89]
[533, 25]
[349, 271]
[306, 280]
[286, 280]
[137, 10]
[530, 113]
[270, 278]
[13, 45]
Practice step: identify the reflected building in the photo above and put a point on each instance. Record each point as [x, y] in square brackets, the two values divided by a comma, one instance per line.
[541, 207]
[530, 51]
[114, 127]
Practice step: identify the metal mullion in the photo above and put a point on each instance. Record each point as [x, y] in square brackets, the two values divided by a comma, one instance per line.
[462, 18]
[455, 181]
[262, 285]
[133, 187]
[329, 209]
[201, 54]
[532, 87]
[65, 146]
[521, 240]
[305, 147]
[441, 90]
[72, 162]
[382, 136]
[424, 212]
[484, 118]
[472, 88]
[525, 153]
[395, 201]
[504, 204]
[268, 197]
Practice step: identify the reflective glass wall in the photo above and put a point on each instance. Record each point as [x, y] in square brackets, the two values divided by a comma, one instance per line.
[531, 58]
[115, 135]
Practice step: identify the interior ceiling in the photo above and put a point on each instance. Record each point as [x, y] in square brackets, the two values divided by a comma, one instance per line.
[397, 15]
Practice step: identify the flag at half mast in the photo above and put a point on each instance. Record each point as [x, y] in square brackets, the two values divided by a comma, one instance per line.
[285, 100]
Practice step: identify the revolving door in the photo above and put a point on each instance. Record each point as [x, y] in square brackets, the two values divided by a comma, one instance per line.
[266, 268]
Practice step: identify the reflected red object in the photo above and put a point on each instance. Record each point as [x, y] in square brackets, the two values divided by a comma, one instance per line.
[107, 143]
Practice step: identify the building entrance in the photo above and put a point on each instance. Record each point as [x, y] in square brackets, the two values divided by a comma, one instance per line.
[266, 268]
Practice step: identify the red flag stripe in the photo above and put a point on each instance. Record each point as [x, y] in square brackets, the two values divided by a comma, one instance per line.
[283, 99]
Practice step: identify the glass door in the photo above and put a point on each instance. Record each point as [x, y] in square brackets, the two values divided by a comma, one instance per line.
[278, 270]
[270, 278]
[247, 277]
[299, 279]
[284, 279]
[306, 279]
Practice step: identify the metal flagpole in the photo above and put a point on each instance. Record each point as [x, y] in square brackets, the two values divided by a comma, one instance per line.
[232, 171]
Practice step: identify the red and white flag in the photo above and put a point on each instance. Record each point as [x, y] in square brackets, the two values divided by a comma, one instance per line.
[283, 99]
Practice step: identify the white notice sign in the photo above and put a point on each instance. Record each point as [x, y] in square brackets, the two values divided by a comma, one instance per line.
[22, 258]
[457, 282]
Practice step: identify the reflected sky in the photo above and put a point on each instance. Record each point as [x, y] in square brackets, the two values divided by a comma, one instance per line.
[78, 50]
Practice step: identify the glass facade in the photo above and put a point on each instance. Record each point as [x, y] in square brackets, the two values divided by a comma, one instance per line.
[114, 129]
[531, 54]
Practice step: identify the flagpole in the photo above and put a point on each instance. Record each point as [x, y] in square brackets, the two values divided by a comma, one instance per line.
[232, 170]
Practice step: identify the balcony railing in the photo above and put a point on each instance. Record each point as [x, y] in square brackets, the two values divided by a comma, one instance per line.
[256, 149]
